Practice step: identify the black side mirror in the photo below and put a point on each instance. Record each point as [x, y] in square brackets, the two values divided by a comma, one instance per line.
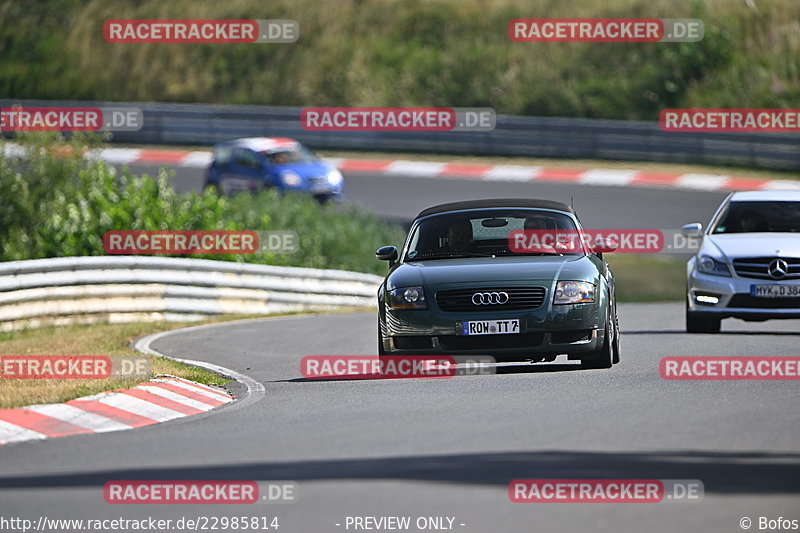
[387, 253]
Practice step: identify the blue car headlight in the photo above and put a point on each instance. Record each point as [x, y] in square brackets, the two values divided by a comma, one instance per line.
[291, 179]
[574, 292]
[335, 177]
[709, 265]
[407, 298]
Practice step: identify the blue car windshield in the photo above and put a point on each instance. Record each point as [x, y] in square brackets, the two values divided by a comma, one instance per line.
[481, 233]
[299, 155]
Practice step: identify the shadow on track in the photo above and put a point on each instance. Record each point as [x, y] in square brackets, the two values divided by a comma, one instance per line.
[522, 368]
[729, 332]
[721, 472]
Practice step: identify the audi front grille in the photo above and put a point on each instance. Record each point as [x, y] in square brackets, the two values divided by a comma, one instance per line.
[759, 267]
[461, 300]
[412, 342]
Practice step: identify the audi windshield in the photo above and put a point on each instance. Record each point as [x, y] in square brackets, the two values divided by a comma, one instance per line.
[482, 233]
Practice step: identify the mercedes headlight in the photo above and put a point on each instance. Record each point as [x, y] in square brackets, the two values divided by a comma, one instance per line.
[291, 179]
[335, 177]
[574, 292]
[407, 298]
[709, 265]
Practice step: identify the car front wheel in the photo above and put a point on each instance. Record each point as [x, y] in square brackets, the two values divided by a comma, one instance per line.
[381, 351]
[609, 354]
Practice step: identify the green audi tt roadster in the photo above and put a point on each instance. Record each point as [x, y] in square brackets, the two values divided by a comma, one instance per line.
[459, 286]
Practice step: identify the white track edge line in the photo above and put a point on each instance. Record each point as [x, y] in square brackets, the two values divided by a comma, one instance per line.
[254, 390]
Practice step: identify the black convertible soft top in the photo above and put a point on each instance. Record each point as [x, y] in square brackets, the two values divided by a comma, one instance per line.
[496, 202]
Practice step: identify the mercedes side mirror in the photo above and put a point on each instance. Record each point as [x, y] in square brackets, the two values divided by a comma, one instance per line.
[695, 229]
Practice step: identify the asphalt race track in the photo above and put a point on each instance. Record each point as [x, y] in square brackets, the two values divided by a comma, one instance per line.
[599, 207]
[449, 447]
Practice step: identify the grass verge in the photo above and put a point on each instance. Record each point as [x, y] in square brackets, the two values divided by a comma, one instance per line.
[94, 339]
[648, 278]
[454, 53]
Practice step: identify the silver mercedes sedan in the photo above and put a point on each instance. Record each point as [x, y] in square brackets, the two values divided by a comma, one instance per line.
[748, 265]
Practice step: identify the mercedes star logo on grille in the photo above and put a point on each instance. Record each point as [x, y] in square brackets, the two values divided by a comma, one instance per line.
[489, 298]
[778, 268]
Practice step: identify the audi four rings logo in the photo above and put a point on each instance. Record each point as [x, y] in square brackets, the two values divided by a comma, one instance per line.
[778, 268]
[490, 298]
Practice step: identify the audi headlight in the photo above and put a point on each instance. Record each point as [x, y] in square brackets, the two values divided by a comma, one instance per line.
[407, 298]
[574, 292]
[708, 265]
[291, 179]
[335, 177]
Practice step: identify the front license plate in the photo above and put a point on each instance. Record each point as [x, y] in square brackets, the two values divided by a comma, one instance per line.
[488, 327]
[775, 291]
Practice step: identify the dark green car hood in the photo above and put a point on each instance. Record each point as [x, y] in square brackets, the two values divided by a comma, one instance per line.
[486, 271]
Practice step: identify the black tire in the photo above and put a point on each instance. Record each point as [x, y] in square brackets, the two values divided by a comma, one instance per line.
[616, 334]
[702, 324]
[608, 354]
[381, 351]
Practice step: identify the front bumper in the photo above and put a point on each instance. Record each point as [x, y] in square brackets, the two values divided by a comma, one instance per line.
[553, 330]
[318, 188]
[734, 300]
[329, 196]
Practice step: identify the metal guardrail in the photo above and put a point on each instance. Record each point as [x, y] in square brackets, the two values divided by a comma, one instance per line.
[133, 288]
[203, 124]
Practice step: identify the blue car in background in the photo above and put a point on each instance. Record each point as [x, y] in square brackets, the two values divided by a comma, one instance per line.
[252, 164]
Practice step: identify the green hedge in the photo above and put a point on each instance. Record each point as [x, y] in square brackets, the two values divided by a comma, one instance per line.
[59, 204]
[410, 52]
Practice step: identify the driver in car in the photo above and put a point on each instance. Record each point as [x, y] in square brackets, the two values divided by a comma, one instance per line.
[545, 234]
[459, 237]
[751, 222]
